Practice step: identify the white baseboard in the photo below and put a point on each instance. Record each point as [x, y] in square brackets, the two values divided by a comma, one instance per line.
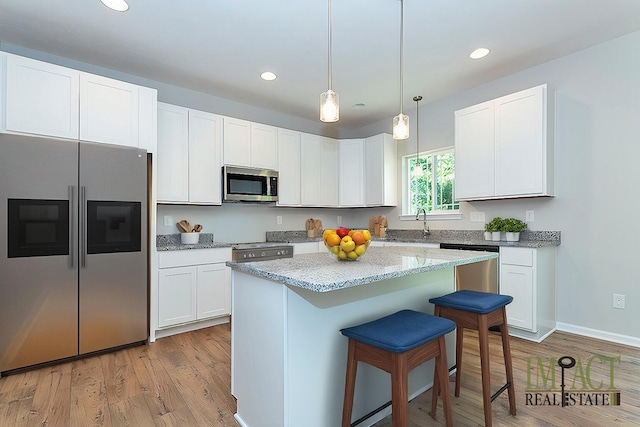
[601, 335]
[188, 327]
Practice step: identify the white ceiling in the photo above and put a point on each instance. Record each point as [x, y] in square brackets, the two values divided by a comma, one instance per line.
[221, 47]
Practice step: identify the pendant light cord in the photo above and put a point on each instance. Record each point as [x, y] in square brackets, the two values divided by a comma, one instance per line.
[417, 98]
[330, 55]
[401, 51]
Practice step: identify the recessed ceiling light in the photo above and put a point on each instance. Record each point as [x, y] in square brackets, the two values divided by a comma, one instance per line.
[359, 105]
[117, 5]
[268, 75]
[480, 52]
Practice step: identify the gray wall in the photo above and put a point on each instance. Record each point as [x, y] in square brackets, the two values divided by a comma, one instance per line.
[597, 119]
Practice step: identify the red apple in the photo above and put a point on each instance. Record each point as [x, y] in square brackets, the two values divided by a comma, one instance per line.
[342, 231]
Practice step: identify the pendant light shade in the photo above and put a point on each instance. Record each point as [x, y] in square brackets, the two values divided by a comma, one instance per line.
[401, 121]
[417, 170]
[329, 106]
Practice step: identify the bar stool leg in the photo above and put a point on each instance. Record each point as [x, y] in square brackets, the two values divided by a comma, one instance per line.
[443, 375]
[506, 349]
[483, 335]
[350, 384]
[399, 390]
[459, 338]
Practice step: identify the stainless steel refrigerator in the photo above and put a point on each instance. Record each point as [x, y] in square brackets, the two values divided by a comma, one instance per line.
[73, 249]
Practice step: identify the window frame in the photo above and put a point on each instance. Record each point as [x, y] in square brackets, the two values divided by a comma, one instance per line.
[408, 216]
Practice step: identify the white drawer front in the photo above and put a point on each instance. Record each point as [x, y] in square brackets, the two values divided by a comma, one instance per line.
[517, 256]
[193, 257]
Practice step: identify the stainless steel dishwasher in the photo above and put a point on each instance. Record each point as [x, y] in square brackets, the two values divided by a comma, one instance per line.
[478, 276]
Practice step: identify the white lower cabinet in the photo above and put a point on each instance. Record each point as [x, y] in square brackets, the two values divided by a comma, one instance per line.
[193, 285]
[528, 275]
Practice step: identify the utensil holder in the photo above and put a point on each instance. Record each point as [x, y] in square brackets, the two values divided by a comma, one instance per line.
[190, 238]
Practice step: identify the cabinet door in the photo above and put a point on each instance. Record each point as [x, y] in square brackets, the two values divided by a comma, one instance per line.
[351, 172]
[108, 111]
[474, 151]
[311, 172]
[517, 281]
[214, 291]
[380, 168]
[176, 296]
[172, 160]
[329, 184]
[264, 147]
[288, 168]
[237, 142]
[520, 142]
[205, 158]
[148, 120]
[41, 98]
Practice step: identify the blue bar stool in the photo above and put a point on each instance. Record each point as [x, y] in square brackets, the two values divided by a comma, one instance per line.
[397, 344]
[479, 311]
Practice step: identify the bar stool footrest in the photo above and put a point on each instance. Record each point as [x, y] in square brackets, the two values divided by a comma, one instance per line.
[497, 393]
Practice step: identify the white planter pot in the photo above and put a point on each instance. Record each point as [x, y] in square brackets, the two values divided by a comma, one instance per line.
[513, 237]
[495, 236]
[487, 235]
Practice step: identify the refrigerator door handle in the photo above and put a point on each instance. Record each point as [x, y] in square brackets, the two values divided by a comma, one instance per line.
[72, 193]
[83, 226]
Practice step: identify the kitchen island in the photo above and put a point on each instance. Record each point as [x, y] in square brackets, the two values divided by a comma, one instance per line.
[288, 356]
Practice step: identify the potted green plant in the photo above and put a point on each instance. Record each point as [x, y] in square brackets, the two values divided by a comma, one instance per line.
[513, 227]
[492, 229]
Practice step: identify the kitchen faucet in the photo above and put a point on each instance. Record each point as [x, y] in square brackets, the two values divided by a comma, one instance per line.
[425, 227]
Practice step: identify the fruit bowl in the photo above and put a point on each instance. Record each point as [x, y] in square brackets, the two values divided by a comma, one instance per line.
[345, 244]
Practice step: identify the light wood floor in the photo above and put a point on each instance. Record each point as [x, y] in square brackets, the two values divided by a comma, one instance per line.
[184, 380]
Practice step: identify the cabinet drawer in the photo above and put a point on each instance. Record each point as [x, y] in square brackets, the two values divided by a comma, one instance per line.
[517, 256]
[193, 257]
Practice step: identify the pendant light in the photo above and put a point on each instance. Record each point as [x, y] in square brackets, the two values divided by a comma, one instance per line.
[417, 169]
[401, 121]
[329, 107]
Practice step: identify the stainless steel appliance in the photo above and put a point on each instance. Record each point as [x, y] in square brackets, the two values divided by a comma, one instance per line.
[73, 251]
[478, 276]
[264, 251]
[249, 185]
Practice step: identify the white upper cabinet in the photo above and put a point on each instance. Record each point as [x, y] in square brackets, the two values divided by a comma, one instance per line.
[108, 111]
[319, 170]
[380, 170]
[288, 168]
[475, 151]
[49, 100]
[249, 144]
[189, 158]
[351, 172]
[503, 149]
[40, 98]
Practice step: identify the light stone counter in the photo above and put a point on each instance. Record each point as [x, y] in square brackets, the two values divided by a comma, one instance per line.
[323, 273]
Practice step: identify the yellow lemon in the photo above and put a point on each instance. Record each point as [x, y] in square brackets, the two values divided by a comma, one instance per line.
[360, 249]
[352, 255]
[342, 255]
[366, 234]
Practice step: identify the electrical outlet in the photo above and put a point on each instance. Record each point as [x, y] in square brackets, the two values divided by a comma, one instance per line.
[528, 216]
[339, 220]
[476, 216]
[168, 220]
[618, 301]
[279, 219]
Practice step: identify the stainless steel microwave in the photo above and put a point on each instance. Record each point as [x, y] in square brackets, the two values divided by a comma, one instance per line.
[242, 184]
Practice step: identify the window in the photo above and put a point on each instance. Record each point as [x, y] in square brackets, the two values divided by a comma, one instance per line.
[432, 185]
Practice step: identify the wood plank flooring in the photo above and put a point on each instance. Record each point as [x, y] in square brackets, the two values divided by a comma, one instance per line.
[184, 381]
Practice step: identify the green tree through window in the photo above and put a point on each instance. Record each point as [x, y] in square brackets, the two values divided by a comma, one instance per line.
[432, 185]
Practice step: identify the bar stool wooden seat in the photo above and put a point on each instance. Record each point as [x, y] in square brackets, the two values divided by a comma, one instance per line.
[479, 311]
[397, 344]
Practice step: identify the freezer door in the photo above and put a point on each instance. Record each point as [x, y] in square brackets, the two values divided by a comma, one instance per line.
[38, 289]
[113, 247]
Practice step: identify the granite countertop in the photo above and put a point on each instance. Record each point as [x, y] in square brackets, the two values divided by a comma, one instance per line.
[528, 239]
[320, 272]
[171, 242]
